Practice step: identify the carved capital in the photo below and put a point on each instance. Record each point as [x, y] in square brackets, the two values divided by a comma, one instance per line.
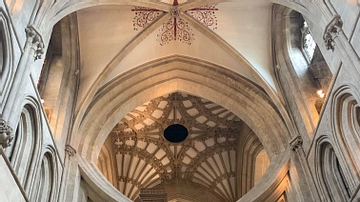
[6, 134]
[296, 143]
[332, 31]
[69, 150]
[34, 37]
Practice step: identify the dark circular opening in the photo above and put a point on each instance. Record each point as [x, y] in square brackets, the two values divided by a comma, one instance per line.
[175, 133]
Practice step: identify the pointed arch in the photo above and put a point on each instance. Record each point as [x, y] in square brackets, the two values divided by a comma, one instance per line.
[46, 180]
[345, 123]
[179, 73]
[6, 54]
[106, 163]
[252, 148]
[27, 145]
[330, 173]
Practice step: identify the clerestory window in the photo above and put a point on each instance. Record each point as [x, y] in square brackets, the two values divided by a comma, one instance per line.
[308, 43]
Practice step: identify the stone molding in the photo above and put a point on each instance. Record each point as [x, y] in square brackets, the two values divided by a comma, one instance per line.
[332, 31]
[69, 150]
[153, 195]
[152, 190]
[6, 134]
[35, 38]
[296, 143]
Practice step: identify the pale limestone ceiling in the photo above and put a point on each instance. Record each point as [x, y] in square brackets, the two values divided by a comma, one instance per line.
[106, 30]
[144, 158]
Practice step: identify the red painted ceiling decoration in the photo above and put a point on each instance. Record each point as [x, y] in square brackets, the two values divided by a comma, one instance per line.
[144, 17]
[205, 15]
[175, 28]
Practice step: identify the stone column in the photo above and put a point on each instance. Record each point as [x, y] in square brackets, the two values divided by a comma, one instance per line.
[71, 178]
[308, 187]
[33, 50]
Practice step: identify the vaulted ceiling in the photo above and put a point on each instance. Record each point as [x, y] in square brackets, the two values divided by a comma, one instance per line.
[145, 158]
[112, 43]
[116, 38]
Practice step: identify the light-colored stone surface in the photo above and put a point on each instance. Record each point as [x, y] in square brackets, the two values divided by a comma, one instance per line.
[104, 77]
[10, 192]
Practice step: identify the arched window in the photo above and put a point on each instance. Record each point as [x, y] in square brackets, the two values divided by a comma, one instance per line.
[302, 72]
[332, 177]
[308, 43]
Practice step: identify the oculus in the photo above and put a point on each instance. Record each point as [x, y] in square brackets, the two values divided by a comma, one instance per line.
[175, 133]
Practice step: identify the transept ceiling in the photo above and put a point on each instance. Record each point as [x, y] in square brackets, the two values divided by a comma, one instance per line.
[145, 158]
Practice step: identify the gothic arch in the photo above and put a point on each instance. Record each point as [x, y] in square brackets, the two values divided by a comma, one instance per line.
[106, 164]
[345, 123]
[88, 95]
[177, 74]
[252, 147]
[46, 181]
[6, 54]
[297, 78]
[330, 174]
[38, 4]
[187, 75]
[27, 145]
[307, 10]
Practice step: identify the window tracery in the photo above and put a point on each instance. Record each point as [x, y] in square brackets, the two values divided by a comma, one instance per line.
[308, 42]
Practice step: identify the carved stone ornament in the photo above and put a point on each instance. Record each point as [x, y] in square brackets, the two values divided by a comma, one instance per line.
[153, 194]
[34, 37]
[296, 143]
[6, 134]
[174, 12]
[70, 150]
[332, 31]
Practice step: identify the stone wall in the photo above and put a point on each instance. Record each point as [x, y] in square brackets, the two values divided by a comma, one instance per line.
[49, 149]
